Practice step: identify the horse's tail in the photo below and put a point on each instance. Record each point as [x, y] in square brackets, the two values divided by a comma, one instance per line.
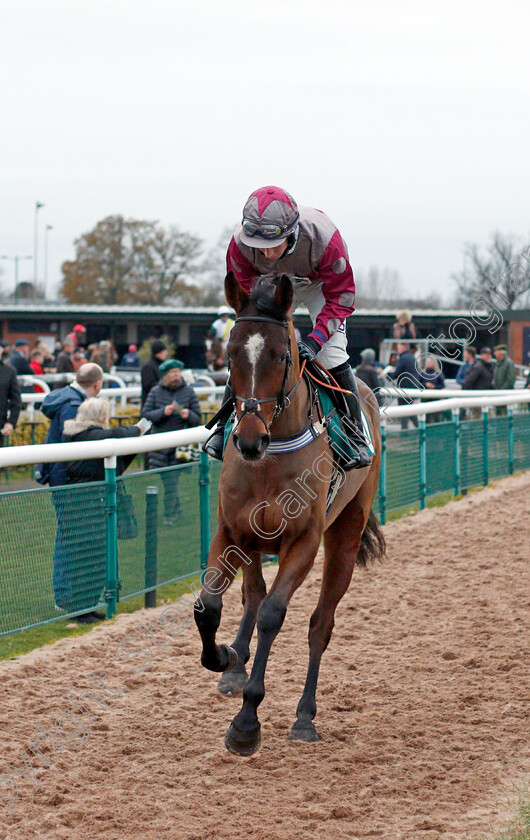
[373, 544]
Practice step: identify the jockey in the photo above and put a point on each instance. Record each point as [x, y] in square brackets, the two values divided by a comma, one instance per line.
[276, 235]
[223, 324]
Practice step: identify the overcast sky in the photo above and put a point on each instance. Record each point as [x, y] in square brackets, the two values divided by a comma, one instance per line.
[407, 122]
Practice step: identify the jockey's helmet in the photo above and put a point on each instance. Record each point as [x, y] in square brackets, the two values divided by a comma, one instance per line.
[270, 216]
[223, 310]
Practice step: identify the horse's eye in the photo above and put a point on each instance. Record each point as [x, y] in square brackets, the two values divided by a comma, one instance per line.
[280, 359]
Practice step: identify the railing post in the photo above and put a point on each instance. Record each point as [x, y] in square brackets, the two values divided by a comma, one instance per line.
[382, 474]
[485, 444]
[456, 422]
[510, 440]
[111, 577]
[204, 504]
[151, 544]
[423, 461]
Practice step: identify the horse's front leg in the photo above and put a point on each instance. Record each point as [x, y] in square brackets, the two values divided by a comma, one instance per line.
[254, 590]
[243, 736]
[223, 562]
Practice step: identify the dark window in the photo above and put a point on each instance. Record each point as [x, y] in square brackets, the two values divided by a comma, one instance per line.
[20, 326]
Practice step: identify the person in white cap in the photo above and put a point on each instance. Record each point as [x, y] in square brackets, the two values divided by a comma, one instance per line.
[223, 324]
[277, 236]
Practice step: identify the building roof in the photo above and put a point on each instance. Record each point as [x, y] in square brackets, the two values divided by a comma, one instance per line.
[68, 309]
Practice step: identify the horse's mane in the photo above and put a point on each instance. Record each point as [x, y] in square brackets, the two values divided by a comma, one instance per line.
[262, 296]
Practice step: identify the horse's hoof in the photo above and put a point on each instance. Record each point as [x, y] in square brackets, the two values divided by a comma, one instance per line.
[226, 659]
[242, 743]
[232, 683]
[304, 730]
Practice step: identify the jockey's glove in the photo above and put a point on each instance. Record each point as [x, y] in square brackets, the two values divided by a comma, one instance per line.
[308, 348]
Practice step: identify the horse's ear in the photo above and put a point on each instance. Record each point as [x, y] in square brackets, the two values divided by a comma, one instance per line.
[234, 293]
[283, 296]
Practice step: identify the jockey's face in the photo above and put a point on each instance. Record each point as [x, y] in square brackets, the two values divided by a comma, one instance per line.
[274, 253]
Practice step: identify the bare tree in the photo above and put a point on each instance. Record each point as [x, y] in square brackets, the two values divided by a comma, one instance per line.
[498, 274]
[211, 282]
[129, 261]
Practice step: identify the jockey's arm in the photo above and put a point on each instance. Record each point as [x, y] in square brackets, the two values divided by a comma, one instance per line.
[243, 270]
[338, 288]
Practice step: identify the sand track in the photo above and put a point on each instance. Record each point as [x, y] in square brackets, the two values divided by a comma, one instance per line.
[423, 706]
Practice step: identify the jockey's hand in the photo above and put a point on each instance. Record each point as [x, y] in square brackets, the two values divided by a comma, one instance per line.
[308, 349]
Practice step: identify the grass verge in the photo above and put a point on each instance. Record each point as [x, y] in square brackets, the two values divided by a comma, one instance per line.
[19, 643]
[519, 826]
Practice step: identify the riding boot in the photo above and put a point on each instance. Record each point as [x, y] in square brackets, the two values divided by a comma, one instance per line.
[354, 423]
[215, 444]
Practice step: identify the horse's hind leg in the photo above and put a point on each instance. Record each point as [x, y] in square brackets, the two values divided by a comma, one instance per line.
[254, 590]
[341, 545]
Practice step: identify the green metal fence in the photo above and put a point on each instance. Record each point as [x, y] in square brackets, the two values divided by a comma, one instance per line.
[67, 550]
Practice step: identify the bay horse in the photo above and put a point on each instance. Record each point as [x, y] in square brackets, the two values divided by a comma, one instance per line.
[277, 503]
[215, 353]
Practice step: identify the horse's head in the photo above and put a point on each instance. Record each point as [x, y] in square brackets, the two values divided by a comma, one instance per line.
[259, 355]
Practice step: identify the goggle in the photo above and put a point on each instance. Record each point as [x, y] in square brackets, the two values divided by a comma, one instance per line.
[266, 230]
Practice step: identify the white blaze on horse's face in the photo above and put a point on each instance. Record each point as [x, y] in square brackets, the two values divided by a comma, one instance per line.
[254, 345]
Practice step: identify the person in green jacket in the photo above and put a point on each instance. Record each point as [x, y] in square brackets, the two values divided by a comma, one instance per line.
[504, 375]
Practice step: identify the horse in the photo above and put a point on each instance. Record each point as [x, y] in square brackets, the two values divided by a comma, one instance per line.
[215, 353]
[277, 503]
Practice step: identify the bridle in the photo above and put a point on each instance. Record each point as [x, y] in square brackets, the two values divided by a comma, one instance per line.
[250, 404]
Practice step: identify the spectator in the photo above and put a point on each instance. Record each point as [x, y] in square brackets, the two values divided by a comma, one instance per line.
[404, 328]
[92, 423]
[223, 325]
[470, 355]
[480, 375]
[79, 332]
[64, 362]
[406, 375]
[36, 362]
[151, 369]
[170, 405]
[48, 364]
[19, 360]
[78, 358]
[432, 377]
[5, 346]
[84, 543]
[131, 359]
[10, 402]
[367, 372]
[504, 374]
[104, 355]
[62, 405]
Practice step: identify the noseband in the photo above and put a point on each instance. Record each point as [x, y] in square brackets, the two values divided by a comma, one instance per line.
[250, 404]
